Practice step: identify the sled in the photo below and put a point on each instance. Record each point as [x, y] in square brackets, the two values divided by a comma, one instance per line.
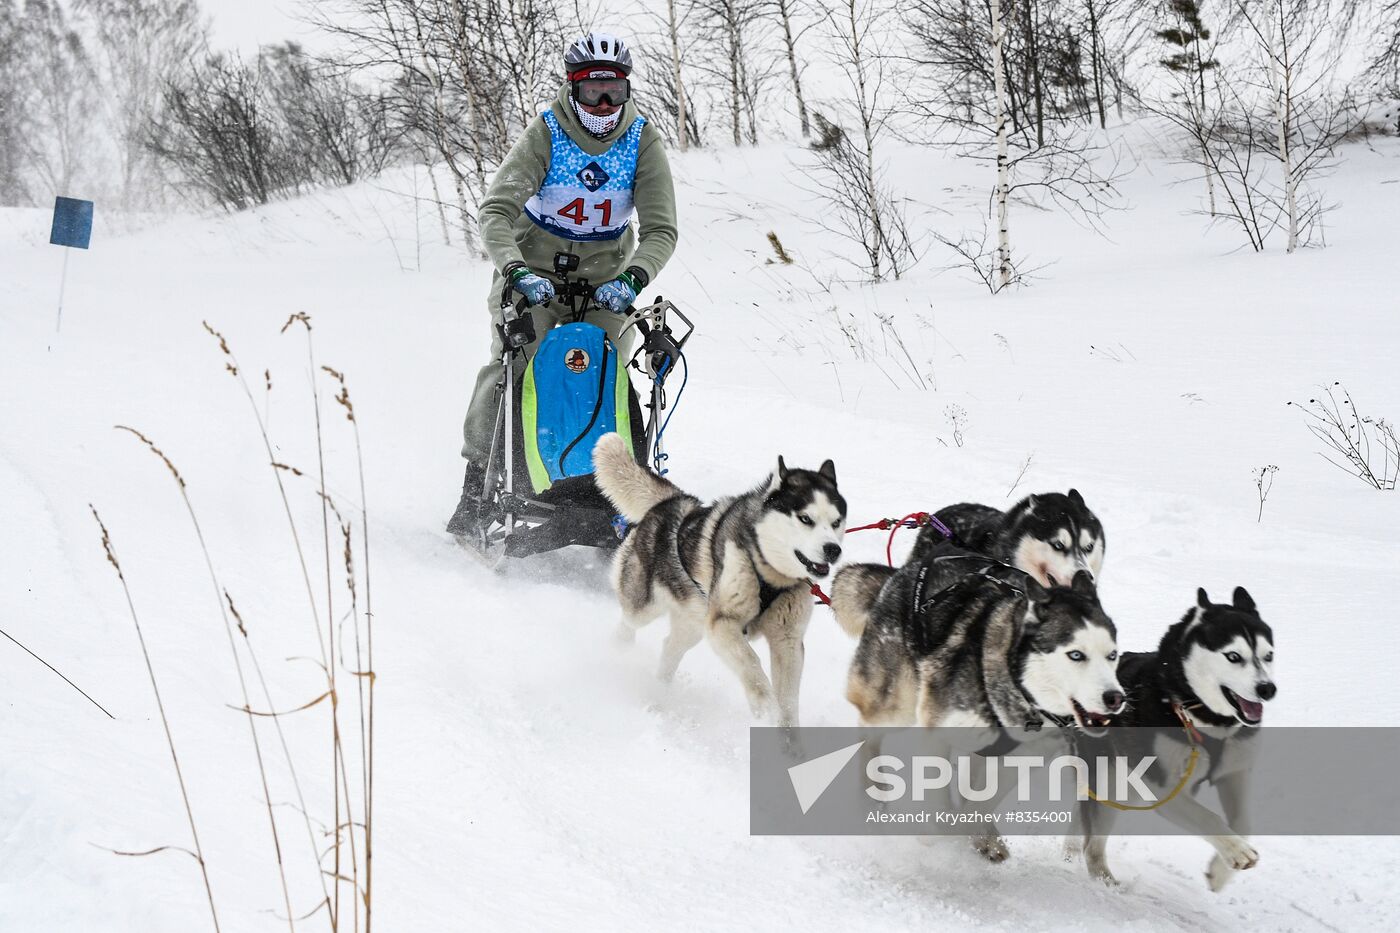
[539, 493]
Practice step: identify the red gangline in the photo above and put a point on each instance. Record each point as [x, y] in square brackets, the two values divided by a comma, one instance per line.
[912, 520]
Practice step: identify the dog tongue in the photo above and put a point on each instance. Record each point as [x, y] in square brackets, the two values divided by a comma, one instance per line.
[1253, 711]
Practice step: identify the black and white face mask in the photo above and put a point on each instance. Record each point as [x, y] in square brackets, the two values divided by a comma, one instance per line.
[596, 125]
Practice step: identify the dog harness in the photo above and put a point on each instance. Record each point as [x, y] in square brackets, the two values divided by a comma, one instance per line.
[586, 197]
[918, 605]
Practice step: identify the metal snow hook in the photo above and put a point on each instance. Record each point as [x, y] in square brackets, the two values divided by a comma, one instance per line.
[72, 228]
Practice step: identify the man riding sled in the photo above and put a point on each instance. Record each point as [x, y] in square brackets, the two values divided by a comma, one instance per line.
[571, 183]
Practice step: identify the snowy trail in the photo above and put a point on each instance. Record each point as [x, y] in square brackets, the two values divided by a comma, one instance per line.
[531, 775]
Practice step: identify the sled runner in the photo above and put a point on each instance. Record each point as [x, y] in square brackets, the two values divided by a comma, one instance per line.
[539, 494]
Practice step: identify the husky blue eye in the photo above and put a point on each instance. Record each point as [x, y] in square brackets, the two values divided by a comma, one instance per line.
[805, 520]
[1113, 656]
[1233, 657]
[1057, 545]
[1088, 548]
[836, 524]
[1076, 656]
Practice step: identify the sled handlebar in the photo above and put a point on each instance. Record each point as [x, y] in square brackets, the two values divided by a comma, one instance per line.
[575, 296]
[660, 345]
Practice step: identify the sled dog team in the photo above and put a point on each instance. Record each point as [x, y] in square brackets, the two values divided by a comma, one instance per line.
[998, 626]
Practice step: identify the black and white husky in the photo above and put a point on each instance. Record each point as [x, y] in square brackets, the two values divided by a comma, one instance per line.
[1051, 536]
[733, 571]
[1205, 685]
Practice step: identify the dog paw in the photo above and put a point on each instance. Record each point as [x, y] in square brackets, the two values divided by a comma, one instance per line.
[1218, 874]
[1098, 870]
[1240, 855]
[1105, 876]
[1237, 855]
[991, 848]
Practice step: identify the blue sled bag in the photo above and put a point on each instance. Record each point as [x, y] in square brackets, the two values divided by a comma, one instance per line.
[574, 390]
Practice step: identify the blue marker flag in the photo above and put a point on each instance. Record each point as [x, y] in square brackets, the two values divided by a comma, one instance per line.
[72, 223]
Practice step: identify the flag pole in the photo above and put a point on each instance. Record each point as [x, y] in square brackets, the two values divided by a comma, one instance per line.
[62, 281]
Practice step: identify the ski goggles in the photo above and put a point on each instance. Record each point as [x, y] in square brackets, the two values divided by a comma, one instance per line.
[593, 91]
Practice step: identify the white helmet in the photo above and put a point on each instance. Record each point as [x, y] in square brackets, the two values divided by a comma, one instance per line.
[597, 48]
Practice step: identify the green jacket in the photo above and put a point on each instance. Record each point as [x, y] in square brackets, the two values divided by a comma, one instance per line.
[509, 234]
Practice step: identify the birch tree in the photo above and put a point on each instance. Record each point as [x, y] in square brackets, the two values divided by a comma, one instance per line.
[999, 118]
[735, 31]
[1296, 59]
[1004, 82]
[664, 92]
[1297, 90]
[677, 80]
[1266, 129]
[785, 10]
[848, 171]
[1061, 59]
[675, 115]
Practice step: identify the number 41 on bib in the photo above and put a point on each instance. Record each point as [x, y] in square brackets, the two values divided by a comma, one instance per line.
[577, 211]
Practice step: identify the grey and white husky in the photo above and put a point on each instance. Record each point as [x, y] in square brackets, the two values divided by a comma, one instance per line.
[1051, 536]
[1205, 685]
[981, 652]
[734, 570]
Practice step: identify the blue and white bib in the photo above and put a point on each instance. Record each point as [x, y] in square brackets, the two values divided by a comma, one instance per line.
[586, 197]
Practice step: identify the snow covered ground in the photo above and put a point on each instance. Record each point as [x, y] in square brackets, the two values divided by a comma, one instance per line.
[532, 776]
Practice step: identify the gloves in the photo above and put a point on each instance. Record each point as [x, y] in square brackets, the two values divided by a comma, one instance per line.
[618, 295]
[536, 288]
